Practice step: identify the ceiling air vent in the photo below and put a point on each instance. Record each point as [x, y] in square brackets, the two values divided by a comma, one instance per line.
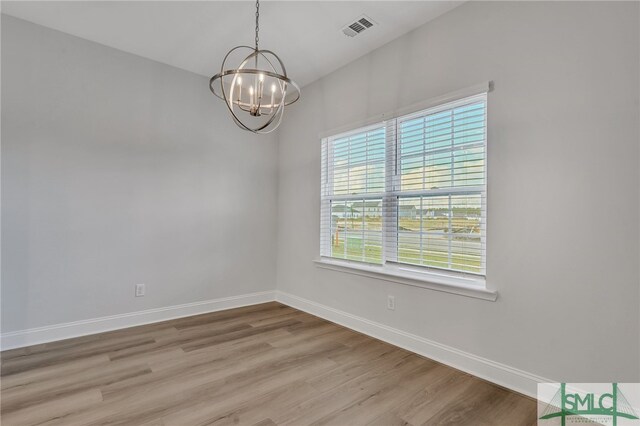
[358, 26]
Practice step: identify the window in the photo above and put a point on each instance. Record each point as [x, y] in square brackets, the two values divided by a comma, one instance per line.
[409, 191]
[355, 186]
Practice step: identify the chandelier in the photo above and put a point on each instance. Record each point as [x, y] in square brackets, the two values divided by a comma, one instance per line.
[258, 89]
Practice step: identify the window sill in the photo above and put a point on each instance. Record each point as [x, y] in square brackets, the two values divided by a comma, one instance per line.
[470, 287]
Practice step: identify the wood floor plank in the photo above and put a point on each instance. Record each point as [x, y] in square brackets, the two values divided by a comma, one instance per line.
[334, 401]
[45, 372]
[232, 350]
[271, 403]
[40, 392]
[261, 365]
[41, 359]
[470, 407]
[51, 409]
[215, 393]
[222, 338]
[220, 407]
[438, 393]
[383, 398]
[185, 377]
[95, 341]
[233, 315]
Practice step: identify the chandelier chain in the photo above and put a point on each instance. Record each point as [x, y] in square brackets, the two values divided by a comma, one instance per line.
[257, 22]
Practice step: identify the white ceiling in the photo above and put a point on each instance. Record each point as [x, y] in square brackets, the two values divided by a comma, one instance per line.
[195, 35]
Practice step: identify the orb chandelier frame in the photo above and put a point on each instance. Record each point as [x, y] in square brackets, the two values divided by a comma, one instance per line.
[247, 112]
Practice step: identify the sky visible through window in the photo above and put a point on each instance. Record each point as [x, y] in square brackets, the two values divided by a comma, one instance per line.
[359, 163]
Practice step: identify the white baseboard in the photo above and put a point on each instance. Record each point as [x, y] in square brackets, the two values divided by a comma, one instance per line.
[34, 336]
[503, 375]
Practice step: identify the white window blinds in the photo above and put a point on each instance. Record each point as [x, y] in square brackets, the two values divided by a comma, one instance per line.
[353, 184]
[410, 190]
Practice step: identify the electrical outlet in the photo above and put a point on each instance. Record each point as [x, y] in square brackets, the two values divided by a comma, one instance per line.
[391, 303]
[140, 290]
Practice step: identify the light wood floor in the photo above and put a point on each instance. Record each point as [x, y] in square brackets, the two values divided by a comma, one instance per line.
[260, 365]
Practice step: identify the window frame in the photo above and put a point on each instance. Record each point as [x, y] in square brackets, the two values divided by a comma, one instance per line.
[443, 279]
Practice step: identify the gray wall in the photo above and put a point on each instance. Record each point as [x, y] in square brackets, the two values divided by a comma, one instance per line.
[118, 170]
[563, 184]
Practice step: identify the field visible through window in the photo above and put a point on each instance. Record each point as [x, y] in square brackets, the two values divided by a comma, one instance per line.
[449, 243]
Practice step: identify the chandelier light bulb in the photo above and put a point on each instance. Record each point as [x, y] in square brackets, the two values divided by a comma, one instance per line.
[273, 93]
